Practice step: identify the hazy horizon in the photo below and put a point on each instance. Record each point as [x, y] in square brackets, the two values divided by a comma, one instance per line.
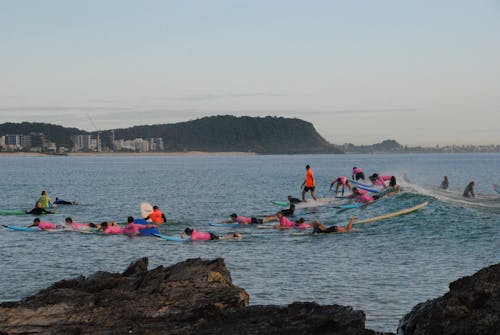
[421, 73]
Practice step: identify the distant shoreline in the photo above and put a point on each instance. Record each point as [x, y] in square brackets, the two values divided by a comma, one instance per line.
[186, 153]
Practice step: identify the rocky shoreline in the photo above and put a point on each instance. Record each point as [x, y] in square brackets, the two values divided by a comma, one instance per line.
[198, 297]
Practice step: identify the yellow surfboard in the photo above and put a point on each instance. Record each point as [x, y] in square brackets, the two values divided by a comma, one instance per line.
[391, 215]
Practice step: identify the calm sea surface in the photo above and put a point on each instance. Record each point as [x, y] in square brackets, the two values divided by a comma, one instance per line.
[383, 268]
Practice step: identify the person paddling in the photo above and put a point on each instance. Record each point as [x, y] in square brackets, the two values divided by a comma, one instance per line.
[156, 216]
[196, 235]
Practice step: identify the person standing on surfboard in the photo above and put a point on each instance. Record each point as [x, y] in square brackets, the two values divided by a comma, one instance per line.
[309, 183]
[156, 216]
[469, 190]
[357, 173]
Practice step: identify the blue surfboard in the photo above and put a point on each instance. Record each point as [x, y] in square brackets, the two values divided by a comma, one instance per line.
[172, 238]
[146, 231]
[21, 228]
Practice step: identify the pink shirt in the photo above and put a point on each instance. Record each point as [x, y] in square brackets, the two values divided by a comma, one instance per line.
[78, 226]
[365, 198]
[113, 230]
[131, 229]
[385, 178]
[362, 192]
[285, 223]
[357, 170]
[243, 219]
[199, 236]
[343, 180]
[46, 225]
[304, 225]
[378, 182]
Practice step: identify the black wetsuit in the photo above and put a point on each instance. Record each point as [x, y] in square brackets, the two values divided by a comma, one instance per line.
[294, 200]
[63, 202]
[288, 211]
[331, 229]
[38, 211]
[469, 191]
[444, 184]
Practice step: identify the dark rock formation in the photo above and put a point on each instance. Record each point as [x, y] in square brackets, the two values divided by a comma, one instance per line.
[472, 306]
[191, 297]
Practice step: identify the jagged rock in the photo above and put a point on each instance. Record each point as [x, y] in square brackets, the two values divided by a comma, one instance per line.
[472, 306]
[192, 297]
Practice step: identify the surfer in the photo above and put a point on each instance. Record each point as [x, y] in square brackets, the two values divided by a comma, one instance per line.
[69, 224]
[64, 202]
[469, 190]
[340, 181]
[285, 212]
[322, 229]
[43, 225]
[357, 173]
[377, 180]
[45, 200]
[156, 216]
[309, 183]
[38, 210]
[234, 218]
[444, 183]
[196, 235]
[363, 198]
[293, 200]
[302, 224]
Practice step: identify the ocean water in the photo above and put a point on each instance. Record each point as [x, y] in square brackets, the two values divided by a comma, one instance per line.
[383, 268]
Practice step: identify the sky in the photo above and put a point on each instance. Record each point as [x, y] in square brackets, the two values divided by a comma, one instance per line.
[419, 72]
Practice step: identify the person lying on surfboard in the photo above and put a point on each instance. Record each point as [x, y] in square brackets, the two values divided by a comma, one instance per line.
[363, 198]
[285, 223]
[59, 201]
[43, 225]
[379, 180]
[196, 235]
[234, 218]
[38, 210]
[322, 229]
[293, 200]
[285, 212]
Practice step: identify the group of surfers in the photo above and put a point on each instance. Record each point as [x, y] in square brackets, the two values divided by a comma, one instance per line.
[468, 191]
[156, 217]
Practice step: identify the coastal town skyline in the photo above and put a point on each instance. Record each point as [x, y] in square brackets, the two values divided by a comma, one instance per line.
[422, 73]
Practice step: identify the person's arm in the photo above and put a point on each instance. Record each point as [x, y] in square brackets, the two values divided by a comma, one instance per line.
[337, 189]
[472, 192]
[146, 218]
[163, 217]
[303, 184]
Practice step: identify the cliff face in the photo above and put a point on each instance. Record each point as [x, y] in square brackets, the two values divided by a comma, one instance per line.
[266, 135]
[197, 297]
[191, 297]
[472, 306]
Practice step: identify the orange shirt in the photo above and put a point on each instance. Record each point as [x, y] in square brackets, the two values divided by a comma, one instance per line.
[310, 178]
[156, 216]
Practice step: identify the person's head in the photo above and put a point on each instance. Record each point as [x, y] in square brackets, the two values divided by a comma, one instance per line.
[354, 168]
[290, 197]
[92, 225]
[130, 219]
[57, 198]
[355, 191]
[68, 220]
[392, 182]
[188, 231]
[279, 215]
[292, 207]
[155, 208]
[315, 224]
[104, 225]
[44, 193]
[233, 216]
[307, 167]
[36, 221]
[473, 183]
[38, 205]
[445, 177]
[301, 220]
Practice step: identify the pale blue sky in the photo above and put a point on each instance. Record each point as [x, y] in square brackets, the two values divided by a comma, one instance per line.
[419, 72]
